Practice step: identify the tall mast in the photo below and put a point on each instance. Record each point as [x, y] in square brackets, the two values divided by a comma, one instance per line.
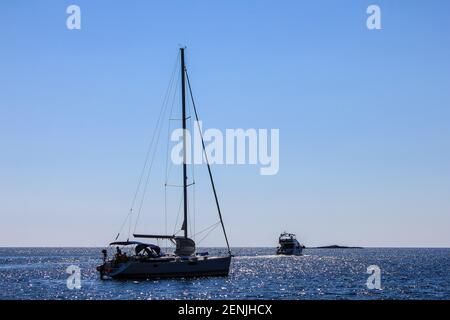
[183, 111]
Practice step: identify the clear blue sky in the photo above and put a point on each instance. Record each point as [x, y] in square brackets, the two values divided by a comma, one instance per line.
[364, 117]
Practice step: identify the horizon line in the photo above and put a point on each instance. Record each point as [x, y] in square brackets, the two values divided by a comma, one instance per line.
[240, 247]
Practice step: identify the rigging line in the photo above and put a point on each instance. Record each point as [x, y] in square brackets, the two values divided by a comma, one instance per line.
[168, 135]
[207, 234]
[165, 100]
[167, 154]
[123, 224]
[189, 217]
[191, 122]
[129, 227]
[207, 163]
[159, 126]
[172, 119]
[148, 178]
[178, 214]
[207, 228]
[178, 186]
[168, 132]
[188, 118]
[194, 208]
[165, 215]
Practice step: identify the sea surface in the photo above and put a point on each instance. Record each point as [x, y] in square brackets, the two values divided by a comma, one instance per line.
[256, 273]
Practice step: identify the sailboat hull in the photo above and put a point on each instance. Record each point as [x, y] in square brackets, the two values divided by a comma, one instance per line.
[169, 268]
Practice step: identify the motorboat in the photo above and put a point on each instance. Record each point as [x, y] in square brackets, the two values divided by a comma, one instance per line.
[289, 245]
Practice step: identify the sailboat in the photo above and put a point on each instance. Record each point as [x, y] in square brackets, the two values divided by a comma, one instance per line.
[148, 260]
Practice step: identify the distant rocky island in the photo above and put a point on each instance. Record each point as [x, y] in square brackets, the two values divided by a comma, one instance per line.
[334, 247]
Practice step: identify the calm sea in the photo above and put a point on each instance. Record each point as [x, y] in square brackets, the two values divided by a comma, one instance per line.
[256, 273]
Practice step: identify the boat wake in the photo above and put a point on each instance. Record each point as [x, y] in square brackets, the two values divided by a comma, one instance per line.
[270, 256]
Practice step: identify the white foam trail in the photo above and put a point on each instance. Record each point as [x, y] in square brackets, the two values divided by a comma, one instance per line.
[272, 256]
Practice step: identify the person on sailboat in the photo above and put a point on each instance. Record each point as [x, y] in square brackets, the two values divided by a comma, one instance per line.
[105, 255]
